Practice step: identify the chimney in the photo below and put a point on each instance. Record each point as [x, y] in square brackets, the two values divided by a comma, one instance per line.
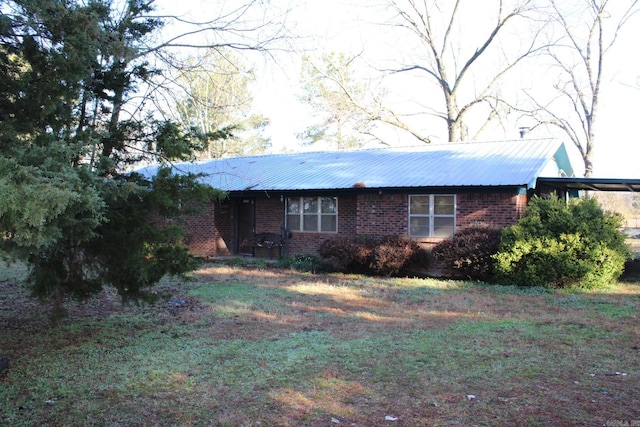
[524, 130]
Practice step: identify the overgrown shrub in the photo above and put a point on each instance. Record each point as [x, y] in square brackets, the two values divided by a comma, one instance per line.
[390, 256]
[346, 254]
[469, 252]
[562, 245]
[395, 255]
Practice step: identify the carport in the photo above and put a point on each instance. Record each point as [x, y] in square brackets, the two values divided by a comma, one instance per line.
[573, 187]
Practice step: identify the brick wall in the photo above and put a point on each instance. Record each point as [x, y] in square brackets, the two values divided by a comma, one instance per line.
[212, 233]
[347, 216]
[382, 215]
[492, 209]
[225, 224]
[269, 215]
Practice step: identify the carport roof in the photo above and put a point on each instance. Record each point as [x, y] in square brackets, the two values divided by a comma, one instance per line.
[593, 184]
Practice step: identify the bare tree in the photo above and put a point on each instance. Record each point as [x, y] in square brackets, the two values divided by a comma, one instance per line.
[329, 86]
[211, 93]
[244, 27]
[588, 33]
[348, 106]
[465, 55]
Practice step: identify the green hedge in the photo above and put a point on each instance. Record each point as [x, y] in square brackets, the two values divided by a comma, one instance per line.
[562, 245]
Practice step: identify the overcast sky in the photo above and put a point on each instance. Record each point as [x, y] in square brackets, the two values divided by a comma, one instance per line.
[335, 25]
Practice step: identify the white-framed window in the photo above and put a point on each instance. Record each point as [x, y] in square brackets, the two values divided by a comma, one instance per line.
[312, 214]
[432, 215]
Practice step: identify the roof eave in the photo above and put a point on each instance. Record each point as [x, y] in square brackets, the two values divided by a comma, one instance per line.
[511, 188]
[593, 184]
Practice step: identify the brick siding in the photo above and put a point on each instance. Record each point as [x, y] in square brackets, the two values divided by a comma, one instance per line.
[491, 209]
[269, 215]
[212, 233]
[382, 215]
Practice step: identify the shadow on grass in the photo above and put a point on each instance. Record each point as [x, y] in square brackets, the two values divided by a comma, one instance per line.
[258, 346]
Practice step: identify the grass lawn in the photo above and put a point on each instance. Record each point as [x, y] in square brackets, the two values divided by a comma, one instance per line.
[254, 346]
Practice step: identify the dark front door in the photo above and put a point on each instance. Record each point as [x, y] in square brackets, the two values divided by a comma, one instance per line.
[246, 226]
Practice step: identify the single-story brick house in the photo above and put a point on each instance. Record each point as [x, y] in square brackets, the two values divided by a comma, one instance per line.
[424, 192]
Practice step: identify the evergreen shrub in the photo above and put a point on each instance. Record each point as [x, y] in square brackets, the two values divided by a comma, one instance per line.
[395, 255]
[562, 245]
[346, 255]
[302, 262]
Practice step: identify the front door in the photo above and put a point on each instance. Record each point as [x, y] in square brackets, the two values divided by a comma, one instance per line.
[246, 226]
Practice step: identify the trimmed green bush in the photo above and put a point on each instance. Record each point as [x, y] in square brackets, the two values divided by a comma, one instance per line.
[306, 262]
[469, 252]
[562, 245]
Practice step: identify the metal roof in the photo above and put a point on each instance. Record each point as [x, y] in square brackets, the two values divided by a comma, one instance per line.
[504, 163]
[593, 184]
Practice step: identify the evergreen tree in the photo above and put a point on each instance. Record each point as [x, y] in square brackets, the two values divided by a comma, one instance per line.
[68, 135]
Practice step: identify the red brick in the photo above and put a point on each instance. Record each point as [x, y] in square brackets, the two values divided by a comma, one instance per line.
[374, 215]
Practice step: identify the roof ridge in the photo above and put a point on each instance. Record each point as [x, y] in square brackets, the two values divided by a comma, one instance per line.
[387, 148]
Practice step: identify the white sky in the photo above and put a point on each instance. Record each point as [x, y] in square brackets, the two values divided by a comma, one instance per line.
[341, 26]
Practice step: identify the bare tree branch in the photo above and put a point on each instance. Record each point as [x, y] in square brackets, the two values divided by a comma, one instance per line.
[420, 17]
[581, 61]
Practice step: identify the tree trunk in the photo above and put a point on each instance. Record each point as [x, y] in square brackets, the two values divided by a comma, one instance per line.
[453, 127]
[58, 311]
[588, 166]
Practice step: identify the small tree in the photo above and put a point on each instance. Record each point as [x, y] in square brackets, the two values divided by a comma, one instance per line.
[71, 126]
[562, 245]
[348, 106]
[211, 93]
[342, 102]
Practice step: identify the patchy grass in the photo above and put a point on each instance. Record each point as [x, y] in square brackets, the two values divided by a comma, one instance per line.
[249, 346]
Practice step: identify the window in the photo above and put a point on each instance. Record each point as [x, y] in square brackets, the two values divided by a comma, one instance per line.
[312, 214]
[432, 215]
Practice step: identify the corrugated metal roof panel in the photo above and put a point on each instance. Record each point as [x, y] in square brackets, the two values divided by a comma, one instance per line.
[504, 163]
